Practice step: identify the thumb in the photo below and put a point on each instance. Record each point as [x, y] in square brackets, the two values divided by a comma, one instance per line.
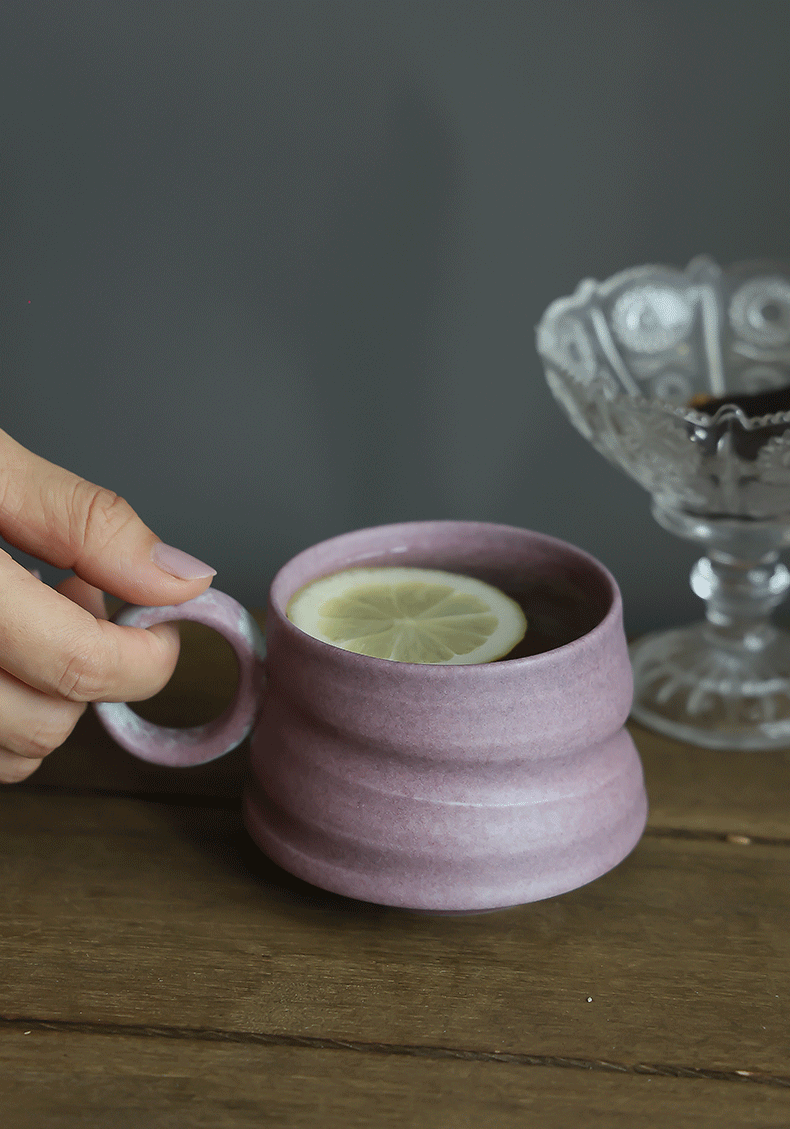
[59, 517]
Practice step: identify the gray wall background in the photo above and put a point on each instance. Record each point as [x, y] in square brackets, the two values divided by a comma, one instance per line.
[271, 268]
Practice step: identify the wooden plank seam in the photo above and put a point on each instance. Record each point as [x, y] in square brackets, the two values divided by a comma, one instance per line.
[217, 1035]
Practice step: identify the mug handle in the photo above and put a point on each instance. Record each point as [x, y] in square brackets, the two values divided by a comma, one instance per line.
[203, 743]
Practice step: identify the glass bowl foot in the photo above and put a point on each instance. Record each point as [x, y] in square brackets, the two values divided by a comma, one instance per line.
[716, 696]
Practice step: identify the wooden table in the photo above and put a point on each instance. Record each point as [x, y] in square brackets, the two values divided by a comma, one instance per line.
[157, 970]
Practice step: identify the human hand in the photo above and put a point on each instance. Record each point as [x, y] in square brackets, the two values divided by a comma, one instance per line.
[58, 650]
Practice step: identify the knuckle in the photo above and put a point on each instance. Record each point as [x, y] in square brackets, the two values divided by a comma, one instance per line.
[84, 673]
[98, 515]
[50, 733]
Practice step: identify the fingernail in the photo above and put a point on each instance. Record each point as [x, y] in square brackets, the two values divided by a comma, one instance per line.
[180, 564]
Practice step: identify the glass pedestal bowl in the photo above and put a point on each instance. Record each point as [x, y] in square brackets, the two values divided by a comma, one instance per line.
[682, 380]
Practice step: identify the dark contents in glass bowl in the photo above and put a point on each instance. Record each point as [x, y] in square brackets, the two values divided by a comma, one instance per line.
[747, 443]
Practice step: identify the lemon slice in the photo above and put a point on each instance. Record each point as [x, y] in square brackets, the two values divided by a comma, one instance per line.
[414, 615]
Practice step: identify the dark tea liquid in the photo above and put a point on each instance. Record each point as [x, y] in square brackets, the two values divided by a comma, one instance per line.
[557, 612]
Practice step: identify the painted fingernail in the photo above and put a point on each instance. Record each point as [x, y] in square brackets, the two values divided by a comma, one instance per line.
[180, 564]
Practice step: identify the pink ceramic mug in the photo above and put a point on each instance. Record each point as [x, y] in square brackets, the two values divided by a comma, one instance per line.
[439, 788]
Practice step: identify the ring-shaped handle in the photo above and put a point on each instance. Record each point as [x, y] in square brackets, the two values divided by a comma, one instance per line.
[202, 743]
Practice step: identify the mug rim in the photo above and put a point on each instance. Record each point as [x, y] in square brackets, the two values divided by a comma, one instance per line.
[277, 604]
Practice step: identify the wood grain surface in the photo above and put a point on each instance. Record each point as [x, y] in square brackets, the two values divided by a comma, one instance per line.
[156, 969]
[68, 1080]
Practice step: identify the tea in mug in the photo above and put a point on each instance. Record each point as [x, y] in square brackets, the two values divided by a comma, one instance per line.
[431, 616]
[415, 615]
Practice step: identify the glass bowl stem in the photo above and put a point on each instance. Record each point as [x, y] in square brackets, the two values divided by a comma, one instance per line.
[723, 683]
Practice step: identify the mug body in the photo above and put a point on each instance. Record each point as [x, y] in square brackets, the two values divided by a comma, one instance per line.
[451, 788]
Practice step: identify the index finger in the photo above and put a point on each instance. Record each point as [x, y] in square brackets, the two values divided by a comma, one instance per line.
[53, 644]
[71, 523]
